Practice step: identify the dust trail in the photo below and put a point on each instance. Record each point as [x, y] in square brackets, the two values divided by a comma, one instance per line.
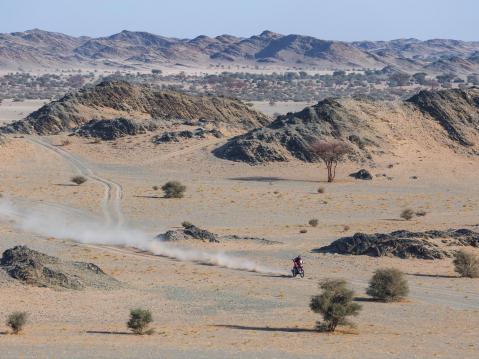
[53, 222]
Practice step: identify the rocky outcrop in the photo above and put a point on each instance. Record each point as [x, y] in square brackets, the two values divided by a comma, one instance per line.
[403, 244]
[115, 99]
[456, 110]
[291, 135]
[362, 174]
[113, 129]
[189, 232]
[366, 125]
[176, 136]
[38, 269]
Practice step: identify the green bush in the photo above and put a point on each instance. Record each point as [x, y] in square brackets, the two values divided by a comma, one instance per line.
[174, 189]
[187, 224]
[388, 285]
[466, 264]
[407, 214]
[335, 304]
[16, 321]
[139, 321]
[313, 222]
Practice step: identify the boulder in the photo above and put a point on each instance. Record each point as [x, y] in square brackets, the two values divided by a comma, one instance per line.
[362, 174]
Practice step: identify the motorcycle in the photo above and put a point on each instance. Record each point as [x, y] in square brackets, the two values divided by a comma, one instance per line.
[297, 270]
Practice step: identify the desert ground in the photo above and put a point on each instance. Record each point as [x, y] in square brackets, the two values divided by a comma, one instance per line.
[208, 311]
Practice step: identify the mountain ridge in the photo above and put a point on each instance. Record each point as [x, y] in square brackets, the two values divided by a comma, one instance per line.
[42, 49]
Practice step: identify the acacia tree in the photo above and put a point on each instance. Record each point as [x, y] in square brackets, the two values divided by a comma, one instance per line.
[331, 153]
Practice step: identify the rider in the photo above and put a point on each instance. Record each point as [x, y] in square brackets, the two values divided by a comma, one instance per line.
[298, 262]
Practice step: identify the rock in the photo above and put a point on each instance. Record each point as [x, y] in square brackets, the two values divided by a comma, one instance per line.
[403, 244]
[176, 136]
[38, 269]
[116, 99]
[456, 110]
[378, 245]
[192, 232]
[112, 129]
[362, 174]
[292, 135]
[356, 122]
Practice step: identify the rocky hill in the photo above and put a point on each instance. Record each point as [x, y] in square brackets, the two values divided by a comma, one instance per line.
[449, 117]
[111, 100]
[41, 270]
[130, 49]
[456, 110]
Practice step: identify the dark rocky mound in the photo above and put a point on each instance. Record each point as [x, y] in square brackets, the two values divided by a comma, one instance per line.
[38, 269]
[112, 129]
[362, 174]
[190, 232]
[292, 135]
[356, 121]
[176, 136]
[403, 244]
[114, 99]
[456, 110]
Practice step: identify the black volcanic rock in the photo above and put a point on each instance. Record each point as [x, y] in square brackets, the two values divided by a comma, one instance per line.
[362, 174]
[38, 269]
[112, 129]
[403, 244]
[176, 136]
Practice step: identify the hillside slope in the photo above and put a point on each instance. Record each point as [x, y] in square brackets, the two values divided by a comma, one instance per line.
[109, 100]
[445, 118]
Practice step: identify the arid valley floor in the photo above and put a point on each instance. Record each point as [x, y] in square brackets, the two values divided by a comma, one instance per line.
[207, 311]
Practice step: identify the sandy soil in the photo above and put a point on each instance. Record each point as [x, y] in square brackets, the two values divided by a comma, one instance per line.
[208, 311]
[11, 111]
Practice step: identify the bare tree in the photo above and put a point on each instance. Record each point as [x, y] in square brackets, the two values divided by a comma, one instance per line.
[331, 153]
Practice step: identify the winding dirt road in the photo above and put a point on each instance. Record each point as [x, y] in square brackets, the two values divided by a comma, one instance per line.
[111, 204]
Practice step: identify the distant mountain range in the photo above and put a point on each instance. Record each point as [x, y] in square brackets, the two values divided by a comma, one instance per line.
[127, 49]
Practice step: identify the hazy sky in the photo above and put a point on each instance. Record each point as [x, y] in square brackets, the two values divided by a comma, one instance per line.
[335, 19]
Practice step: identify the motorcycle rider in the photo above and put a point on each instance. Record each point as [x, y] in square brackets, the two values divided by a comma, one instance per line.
[297, 264]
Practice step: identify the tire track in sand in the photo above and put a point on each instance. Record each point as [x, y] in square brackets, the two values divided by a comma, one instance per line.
[111, 203]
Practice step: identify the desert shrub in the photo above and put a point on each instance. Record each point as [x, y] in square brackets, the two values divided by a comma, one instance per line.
[335, 304]
[421, 213]
[388, 285]
[78, 180]
[174, 189]
[186, 224]
[346, 228]
[66, 142]
[16, 321]
[407, 214]
[313, 222]
[303, 231]
[155, 188]
[466, 264]
[139, 321]
[321, 190]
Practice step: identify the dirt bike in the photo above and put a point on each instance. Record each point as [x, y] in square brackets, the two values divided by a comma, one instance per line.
[298, 270]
